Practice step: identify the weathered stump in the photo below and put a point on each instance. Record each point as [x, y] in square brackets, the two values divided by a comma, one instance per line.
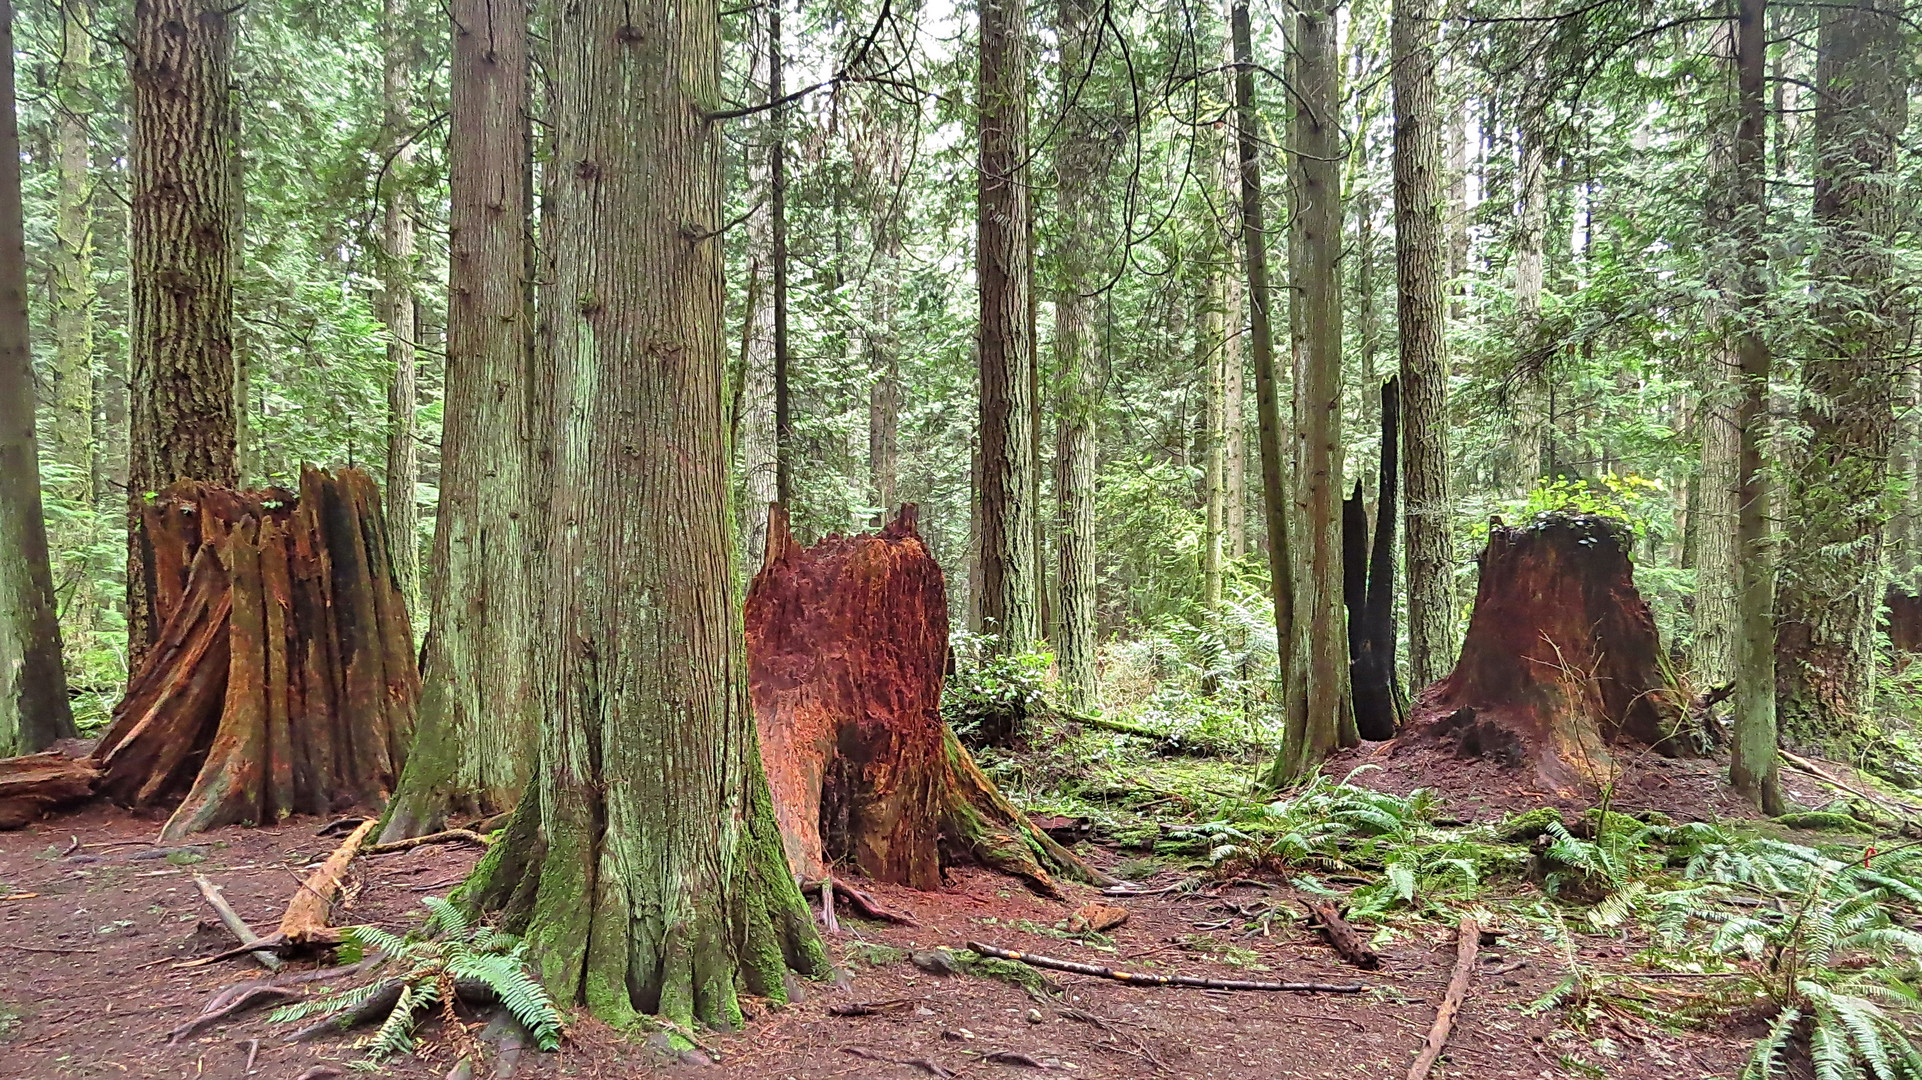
[1561, 661]
[846, 643]
[283, 678]
[1904, 624]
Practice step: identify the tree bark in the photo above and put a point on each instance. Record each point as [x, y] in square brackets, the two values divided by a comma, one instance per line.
[33, 684]
[1421, 275]
[480, 701]
[1261, 336]
[644, 867]
[756, 434]
[1714, 497]
[1368, 571]
[778, 259]
[182, 413]
[1753, 761]
[1010, 607]
[73, 288]
[397, 300]
[1530, 386]
[1318, 711]
[1079, 166]
[1837, 492]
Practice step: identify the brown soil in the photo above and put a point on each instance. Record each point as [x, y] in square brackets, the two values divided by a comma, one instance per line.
[88, 987]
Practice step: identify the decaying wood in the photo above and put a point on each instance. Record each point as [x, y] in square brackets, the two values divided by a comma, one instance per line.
[234, 923]
[870, 1008]
[36, 783]
[445, 836]
[1466, 944]
[847, 646]
[308, 913]
[1561, 661]
[863, 903]
[1141, 978]
[1341, 936]
[283, 679]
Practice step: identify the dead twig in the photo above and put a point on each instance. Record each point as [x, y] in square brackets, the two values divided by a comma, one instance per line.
[870, 1008]
[924, 1064]
[234, 923]
[44, 949]
[1466, 942]
[445, 836]
[253, 1051]
[1145, 979]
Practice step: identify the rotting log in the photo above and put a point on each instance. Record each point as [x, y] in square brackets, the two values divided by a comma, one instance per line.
[36, 783]
[1561, 662]
[282, 680]
[847, 644]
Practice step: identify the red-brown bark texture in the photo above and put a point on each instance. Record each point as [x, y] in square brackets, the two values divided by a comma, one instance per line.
[847, 644]
[283, 678]
[1560, 669]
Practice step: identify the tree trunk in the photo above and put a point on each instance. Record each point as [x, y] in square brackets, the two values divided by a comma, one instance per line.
[1010, 606]
[756, 435]
[1753, 760]
[778, 259]
[1261, 336]
[1368, 573]
[644, 867]
[1529, 388]
[1451, 185]
[182, 237]
[397, 300]
[1421, 275]
[1838, 503]
[1561, 661]
[846, 644]
[1079, 164]
[73, 289]
[480, 703]
[1211, 347]
[1318, 714]
[33, 684]
[283, 680]
[1234, 407]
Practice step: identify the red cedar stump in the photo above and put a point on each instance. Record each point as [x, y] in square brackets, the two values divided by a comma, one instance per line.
[1561, 661]
[846, 644]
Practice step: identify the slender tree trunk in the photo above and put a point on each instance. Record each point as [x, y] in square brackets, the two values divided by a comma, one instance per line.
[182, 386]
[73, 289]
[1318, 715]
[1421, 269]
[756, 434]
[646, 871]
[1454, 181]
[1261, 336]
[1753, 768]
[397, 298]
[1710, 544]
[1079, 167]
[33, 684]
[1009, 603]
[1530, 385]
[1209, 343]
[1234, 453]
[777, 260]
[1838, 502]
[481, 701]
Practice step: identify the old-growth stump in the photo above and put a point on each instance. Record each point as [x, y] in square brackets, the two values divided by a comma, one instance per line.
[283, 679]
[1560, 669]
[847, 642]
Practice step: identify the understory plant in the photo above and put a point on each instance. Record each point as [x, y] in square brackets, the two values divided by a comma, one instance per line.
[448, 956]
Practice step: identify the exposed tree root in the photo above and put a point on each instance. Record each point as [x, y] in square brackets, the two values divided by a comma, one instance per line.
[258, 996]
[1144, 979]
[445, 836]
[863, 903]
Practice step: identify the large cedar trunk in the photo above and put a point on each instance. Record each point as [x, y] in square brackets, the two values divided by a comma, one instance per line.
[283, 678]
[1561, 662]
[847, 642]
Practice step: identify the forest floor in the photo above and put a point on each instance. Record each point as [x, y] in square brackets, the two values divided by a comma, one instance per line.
[91, 935]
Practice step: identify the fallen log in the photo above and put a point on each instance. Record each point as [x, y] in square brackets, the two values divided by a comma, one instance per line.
[1141, 978]
[1340, 935]
[1467, 941]
[308, 914]
[36, 783]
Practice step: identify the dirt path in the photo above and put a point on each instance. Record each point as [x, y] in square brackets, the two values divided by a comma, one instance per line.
[88, 987]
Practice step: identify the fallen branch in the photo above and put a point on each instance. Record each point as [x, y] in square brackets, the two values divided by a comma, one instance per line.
[863, 903]
[870, 1008]
[1342, 936]
[307, 917]
[252, 999]
[1144, 979]
[231, 918]
[1466, 944]
[1903, 813]
[927, 1065]
[445, 836]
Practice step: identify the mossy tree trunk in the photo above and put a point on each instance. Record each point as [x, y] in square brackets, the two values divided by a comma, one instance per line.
[479, 713]
[645, 867]
[33, 684]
